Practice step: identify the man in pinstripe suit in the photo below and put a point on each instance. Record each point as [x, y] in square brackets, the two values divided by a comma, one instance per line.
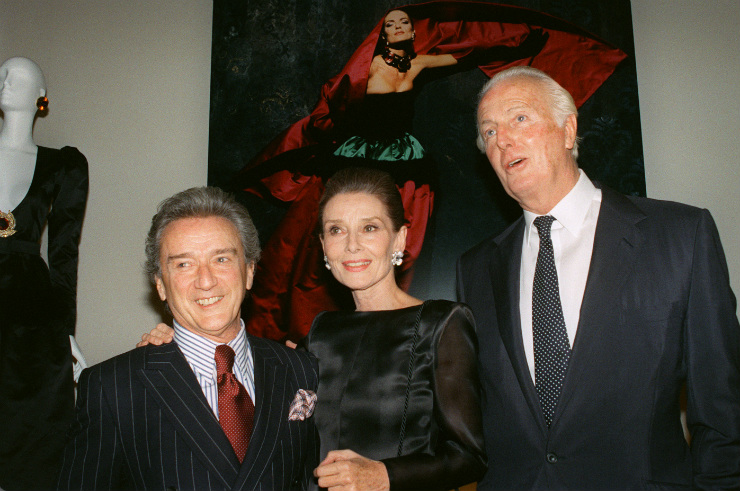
[148, 419]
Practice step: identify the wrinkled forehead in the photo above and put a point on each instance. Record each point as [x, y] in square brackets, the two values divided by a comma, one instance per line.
[512, 93]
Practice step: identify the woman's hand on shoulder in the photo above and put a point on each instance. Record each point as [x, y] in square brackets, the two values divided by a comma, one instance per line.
[345, 470]
[159, 335]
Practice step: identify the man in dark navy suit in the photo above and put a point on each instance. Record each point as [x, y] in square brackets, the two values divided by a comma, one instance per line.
[594, 311]
[158, 417]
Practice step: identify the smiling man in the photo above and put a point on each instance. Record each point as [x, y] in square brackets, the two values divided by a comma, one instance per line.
[216, 409]
[593, 312]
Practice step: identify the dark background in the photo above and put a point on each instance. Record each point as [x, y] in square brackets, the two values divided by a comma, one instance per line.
[270, 58]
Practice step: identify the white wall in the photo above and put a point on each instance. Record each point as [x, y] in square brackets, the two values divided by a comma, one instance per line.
[688, 72]
[129, 86]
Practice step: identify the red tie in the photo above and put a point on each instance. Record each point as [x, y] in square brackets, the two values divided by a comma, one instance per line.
[235, 407]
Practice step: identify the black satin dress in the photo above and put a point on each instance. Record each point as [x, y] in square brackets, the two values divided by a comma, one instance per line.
[364, 360]
[37, 315]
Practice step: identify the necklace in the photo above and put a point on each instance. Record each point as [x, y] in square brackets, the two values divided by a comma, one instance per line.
[401, 63]
[7, 224]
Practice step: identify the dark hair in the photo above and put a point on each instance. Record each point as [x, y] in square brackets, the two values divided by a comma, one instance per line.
[407, 46]
[374, 182]
[201, 202]
[382, 28]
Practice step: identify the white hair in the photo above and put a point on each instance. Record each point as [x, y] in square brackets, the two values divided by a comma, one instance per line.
[561, 102]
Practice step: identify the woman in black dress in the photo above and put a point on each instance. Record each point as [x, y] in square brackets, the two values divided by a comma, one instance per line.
[398, 396]
[39, 187]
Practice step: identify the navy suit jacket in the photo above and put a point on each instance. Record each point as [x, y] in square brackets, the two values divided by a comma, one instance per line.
[657, 314]
[143, 423]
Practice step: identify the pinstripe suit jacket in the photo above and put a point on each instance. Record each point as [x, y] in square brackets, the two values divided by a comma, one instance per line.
[143, 423]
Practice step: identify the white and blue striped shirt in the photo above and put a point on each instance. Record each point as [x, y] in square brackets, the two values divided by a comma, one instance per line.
[200, 354]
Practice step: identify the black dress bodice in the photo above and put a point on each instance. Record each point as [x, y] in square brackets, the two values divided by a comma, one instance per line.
[364, 360]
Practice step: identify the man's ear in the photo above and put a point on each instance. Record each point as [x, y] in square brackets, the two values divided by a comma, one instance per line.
[571, 131]
[160, 288]
[250, 275]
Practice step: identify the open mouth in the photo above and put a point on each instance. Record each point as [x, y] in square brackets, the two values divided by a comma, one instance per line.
[356, 264]
[205, 302]
[514, 162]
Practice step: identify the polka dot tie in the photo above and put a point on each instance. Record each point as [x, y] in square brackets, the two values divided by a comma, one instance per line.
[551, 346]
[235, 407]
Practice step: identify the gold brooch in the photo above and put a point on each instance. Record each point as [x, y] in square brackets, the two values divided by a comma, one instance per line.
[7, 224]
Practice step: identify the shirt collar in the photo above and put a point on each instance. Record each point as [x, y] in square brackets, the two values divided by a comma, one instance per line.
[570, 212]
[200, 352]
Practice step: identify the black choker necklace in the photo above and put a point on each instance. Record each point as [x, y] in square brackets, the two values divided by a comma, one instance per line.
[402, 63]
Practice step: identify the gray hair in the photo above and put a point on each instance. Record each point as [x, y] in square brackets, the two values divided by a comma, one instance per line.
[200, 202]
[561, 102]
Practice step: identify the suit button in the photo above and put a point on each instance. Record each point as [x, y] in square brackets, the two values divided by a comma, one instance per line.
[552, 458]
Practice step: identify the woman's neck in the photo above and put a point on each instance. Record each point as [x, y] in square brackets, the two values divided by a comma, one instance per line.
[383, 298]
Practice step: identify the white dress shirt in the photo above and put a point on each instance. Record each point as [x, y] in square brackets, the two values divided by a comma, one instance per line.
[200, 354]
[572, 241]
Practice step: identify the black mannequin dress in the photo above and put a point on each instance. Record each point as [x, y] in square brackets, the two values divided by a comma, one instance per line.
[364, 365]
[37, 315]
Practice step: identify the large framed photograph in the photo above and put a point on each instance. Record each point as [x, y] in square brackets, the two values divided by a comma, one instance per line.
[289, 87]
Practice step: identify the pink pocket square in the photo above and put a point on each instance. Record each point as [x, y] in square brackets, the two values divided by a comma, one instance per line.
[302, 406]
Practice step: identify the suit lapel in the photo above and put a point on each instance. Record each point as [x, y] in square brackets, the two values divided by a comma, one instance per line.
[616, 246]
[172, 383]
[505, 268]
[270, 412]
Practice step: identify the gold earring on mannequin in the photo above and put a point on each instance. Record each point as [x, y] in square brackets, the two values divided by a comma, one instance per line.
[42, 103]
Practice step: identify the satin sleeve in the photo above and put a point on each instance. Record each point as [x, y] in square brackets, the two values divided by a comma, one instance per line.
[459, 455]
[65, 228]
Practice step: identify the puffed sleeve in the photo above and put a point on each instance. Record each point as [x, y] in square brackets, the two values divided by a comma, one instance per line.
[65, 227]
[459, 457]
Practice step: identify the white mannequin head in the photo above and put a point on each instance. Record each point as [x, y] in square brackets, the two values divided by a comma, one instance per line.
[21, 84]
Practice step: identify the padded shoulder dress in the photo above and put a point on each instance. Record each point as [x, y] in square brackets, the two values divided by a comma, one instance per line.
[405, 396]
[37, 315]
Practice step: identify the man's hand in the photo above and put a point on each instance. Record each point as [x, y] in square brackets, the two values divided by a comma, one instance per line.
[159, 335]
[345, 470]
